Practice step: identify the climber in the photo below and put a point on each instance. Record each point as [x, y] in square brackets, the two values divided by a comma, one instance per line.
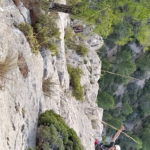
[78, 28]
[100, 146]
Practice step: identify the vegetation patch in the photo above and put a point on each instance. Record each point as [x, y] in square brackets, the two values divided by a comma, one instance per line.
[71, 41]
[75, 76]
[48, 86]
[53, 133]
[27, 29]
[47, 32]
[68, 33]
[105, 100]
[6, 66]
[81, 49]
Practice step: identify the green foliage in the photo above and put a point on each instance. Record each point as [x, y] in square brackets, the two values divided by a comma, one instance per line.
[143, 62]
[47, 32]
[143, 36]
[128, 144]
[124, 64]
[122, 33]
[146, 88]
[115, 122]
[106, 65]
[126, 19]
[96, 13]
[107, 115]
[145, 104]
[70, 39]
[53, 133]
[31, 148]
[106, 22]
[105, 100]
[107, 83]
[132, 94]
[68, 33]
[75, 76]
[28, 31]
[81, 49]
[145, 138]
[44, 4]
[73, 2]
[126, 109]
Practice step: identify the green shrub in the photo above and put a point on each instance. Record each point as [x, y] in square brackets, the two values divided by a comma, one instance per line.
[145, 104]
[75, 76]
[143, 62]
[73, 2]
[68, 33]
[126, 109]
[70, 39]
[128, 144]
[124, 63]
[81, 50]
[28, 31]
[105, 100]
[145, 138]
[47, 32]
[31, 148]
[53, 47]
[53, 133]
[44, 4]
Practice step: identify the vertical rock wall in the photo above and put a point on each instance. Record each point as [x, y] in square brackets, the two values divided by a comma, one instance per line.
[21, 95]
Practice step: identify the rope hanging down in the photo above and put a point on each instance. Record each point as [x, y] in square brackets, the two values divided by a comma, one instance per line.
[121, 132]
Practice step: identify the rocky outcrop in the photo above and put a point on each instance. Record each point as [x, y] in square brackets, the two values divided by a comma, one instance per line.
[22, 98]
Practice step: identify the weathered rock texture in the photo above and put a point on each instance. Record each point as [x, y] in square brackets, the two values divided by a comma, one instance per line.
[22, 98]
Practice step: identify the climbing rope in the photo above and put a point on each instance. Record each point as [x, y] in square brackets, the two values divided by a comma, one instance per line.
[109, 124]
[124, 76]
[121, 132]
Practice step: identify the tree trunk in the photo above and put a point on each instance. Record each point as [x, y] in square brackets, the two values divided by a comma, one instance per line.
[61, 8]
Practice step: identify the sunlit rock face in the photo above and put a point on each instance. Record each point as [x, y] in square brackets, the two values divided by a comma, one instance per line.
[21, 95]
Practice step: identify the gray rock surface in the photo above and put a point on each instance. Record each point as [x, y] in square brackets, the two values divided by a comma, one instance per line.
[22, 99]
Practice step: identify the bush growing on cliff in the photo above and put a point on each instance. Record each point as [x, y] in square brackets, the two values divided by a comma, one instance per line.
[70, 39]
[44, 4]
[75, 76]
[81, 50]
[6, 66]
[28, 31]
[53, 133]
[47, 32]
[68, 33]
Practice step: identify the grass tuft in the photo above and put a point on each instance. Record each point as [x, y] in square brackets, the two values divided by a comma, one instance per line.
[75, 77]
[27, 29]
[6, 66]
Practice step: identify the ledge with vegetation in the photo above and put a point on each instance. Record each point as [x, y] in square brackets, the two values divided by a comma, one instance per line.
[53, 133]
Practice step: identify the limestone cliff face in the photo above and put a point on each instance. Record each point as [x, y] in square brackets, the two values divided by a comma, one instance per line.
[21, 95]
